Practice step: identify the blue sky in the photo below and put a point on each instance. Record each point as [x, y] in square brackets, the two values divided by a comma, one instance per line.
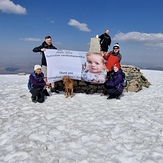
[137, 25]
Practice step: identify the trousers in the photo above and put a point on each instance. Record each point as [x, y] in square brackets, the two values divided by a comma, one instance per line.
[111, 91]
[38, 94]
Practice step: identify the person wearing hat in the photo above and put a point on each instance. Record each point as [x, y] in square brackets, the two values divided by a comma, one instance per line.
[112, 58]
[47, 44]
[113, 87]
[37, 85]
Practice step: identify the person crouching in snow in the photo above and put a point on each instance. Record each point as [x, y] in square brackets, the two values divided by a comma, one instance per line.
[113, 87]
[37, 85]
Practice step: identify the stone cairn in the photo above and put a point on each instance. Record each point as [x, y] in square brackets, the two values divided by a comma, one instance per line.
[135, 82]
[135, 79]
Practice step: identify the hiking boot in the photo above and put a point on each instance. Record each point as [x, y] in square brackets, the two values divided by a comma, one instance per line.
[118, 97]
[111, 97]
[34, 99]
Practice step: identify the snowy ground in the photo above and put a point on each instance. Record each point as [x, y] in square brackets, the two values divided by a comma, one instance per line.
[84, 129]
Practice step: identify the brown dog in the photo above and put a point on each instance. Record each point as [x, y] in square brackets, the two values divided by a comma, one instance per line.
[68, 83]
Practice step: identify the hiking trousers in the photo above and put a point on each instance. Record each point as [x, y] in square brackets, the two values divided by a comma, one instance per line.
[37, 95]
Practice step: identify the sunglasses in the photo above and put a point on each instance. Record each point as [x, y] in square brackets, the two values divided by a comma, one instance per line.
[115, 48]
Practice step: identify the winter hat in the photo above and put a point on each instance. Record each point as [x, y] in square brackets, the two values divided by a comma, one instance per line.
[37, 67]
[117, 65]
[116, 45]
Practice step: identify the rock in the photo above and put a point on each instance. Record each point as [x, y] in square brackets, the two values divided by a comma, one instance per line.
[94, 45]
[136, 80]
[22, 73]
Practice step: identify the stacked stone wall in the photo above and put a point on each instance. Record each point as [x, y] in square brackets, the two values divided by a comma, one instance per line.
[135, 82]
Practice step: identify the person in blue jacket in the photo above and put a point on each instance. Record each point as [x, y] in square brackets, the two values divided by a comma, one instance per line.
[38, 85]
[113, 87]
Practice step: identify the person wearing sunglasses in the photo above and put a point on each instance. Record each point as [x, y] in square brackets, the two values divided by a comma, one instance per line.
[112, 58]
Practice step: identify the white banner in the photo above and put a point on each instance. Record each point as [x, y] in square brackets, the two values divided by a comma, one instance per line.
[70, 63]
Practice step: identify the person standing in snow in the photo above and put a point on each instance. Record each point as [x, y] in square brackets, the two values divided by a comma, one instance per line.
[47, 44]
[105, 41]
[37, 85]
[113, 87]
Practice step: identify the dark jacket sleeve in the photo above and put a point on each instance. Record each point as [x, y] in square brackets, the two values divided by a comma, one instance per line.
[101, 38]
[115, 81]
[53, 47]
[106, 56]
[38, 49]
[36, 84]
[119, 57]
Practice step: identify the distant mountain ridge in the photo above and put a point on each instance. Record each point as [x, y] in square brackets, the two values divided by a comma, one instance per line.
[29, 68]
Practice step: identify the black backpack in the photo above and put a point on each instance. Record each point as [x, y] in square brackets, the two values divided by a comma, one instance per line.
[124, 83]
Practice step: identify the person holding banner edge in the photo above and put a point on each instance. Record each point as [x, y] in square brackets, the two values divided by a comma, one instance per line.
[47, 44]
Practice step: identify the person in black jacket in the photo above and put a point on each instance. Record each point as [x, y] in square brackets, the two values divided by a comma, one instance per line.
[47, 44]
[105, 41]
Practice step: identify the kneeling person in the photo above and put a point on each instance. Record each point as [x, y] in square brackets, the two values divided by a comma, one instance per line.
[37, 85]
[113, 87]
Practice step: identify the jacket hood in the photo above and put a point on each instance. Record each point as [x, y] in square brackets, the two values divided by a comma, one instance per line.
[106, 34]
[44, 44]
